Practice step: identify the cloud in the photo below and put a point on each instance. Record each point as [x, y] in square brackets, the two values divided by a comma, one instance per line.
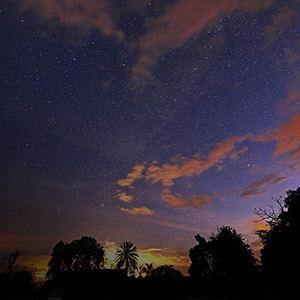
[287, 138]
[134, 211]
[181, 167]
[178, 24]
[291, 104]
[124, 197]
[281, 23]
[255, 188]
[135, 174]
[195, 201]
[180, 227]
[236, 154]
[248, 230]
[196, 165]
[292, 54]
[184, 167]
[84, 15]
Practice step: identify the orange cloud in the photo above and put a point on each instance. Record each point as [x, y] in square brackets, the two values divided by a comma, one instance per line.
[134, 211]
[291, 104]
[193, 166]
[195, 201]
[137, 173]
[249, 229]
[287, 137]
[178, 24]
[84, 15]
[255, 188]
[181, 167]
[236, 154]
[281, 23]
[124, 197]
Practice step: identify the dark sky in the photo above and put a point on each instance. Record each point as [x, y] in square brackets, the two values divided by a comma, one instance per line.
[147, 121]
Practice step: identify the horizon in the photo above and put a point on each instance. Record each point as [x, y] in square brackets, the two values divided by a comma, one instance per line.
[148, 121]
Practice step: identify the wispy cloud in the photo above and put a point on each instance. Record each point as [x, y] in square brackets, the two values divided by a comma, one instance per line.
[182, 167]
[290, 104]
[134, 211]
[195, 201]
[135, 174]
[196, 165]
[257, 188]
[238, 153]
[281, 23]
[124, 197]
[83, 15]
[178, 24]
[287, 137]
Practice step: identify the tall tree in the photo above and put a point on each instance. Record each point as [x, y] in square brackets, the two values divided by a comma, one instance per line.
[201, 258]
[11, 260]
[280, 254]
[127, 255]
[84, 254]
[226, 254]
[232, 256]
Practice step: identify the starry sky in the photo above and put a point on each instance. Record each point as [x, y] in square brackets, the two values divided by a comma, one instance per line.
[148, 121]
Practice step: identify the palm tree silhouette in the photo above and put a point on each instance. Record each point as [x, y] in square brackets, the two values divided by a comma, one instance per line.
[147, 269]
[127, 255]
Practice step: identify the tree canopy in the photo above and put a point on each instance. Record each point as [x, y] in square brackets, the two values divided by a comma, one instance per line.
[127, 255]
[166, 272]
[280, 254]
[225, 254]
[80, 255]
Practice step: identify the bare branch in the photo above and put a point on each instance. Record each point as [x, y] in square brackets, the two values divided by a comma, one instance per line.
[270, 214]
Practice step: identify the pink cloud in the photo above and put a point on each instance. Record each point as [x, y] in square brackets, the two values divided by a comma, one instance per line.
[180, 22]
[257, 188]
[287, 137]
[281, 23]
[195, 201]
[84, 15]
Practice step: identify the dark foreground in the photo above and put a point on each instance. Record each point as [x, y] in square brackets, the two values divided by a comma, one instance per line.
[149, 289]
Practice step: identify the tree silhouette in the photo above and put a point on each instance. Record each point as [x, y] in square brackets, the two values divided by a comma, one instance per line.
[225, 255]
[9, 262]
[15, 279]
[80, 255]
[127, 255]
[147, 269]
[201, 258]
[280, 255]
[231, 255]
[166, 272]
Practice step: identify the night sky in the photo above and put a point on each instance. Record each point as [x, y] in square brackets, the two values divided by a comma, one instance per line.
[148, 121]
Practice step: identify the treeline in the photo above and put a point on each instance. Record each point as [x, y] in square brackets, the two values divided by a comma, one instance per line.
[222, 265]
